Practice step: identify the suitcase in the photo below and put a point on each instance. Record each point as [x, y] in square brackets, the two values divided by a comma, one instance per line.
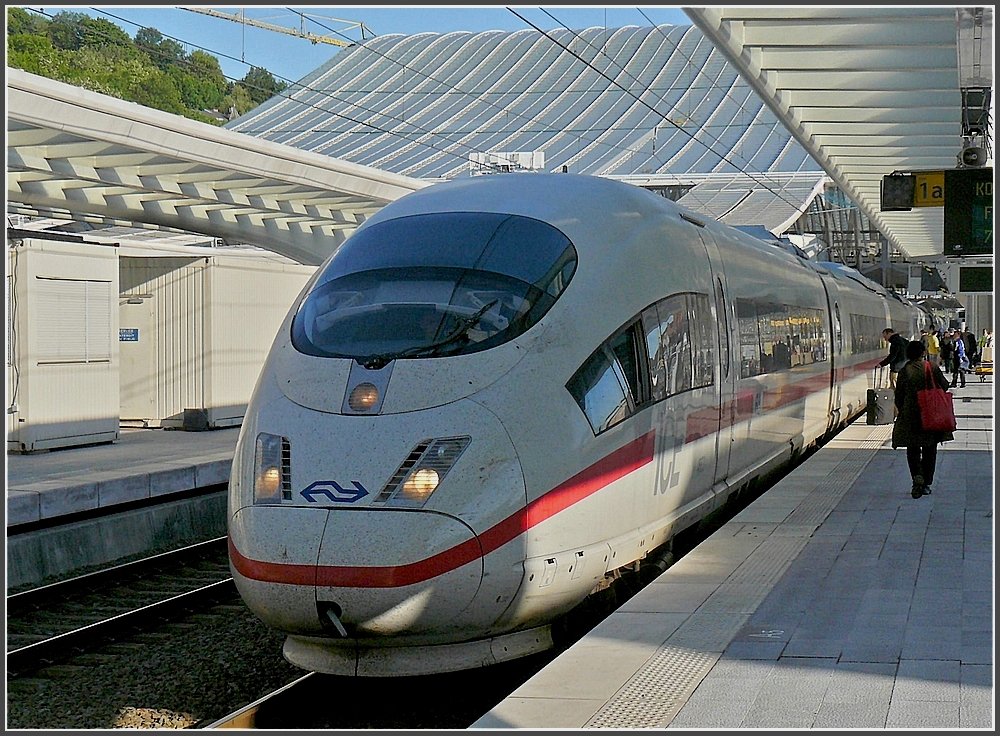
[881, 407]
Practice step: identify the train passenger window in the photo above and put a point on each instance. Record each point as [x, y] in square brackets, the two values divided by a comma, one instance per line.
[866, 333]
[807, 330]
[652, 333]
[667, 349]
[772, 324]
[624, 348]
[432, 285]
[598, 389]
[675, 343]
[746, 319]
[777, 337]
[701, 341]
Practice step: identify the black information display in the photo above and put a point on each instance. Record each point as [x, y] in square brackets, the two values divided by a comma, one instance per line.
[896, 194]
[968, 212]
[973, 279]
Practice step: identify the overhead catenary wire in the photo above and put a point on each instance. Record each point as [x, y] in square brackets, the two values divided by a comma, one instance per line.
[657, 112]
[328, 95]
[426, 136]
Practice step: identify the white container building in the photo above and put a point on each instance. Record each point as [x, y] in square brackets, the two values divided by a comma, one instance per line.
[62, 355]
[196, 327]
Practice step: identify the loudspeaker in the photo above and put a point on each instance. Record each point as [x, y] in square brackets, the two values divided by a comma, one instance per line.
[973, 157]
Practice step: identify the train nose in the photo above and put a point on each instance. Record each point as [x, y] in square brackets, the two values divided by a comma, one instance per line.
[356, 573]
[383, 573]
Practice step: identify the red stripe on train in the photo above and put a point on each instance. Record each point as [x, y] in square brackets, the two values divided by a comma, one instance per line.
[618, 464]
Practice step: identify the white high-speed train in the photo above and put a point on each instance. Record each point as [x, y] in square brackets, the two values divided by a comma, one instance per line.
[501, 392]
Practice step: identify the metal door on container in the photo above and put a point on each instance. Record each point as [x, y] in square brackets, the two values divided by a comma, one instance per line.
[137, 356]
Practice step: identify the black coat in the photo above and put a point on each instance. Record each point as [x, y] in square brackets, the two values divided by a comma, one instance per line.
[897, 351]
[906, 430]
[971, 346]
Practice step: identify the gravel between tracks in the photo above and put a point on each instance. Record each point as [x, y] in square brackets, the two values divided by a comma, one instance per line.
[217, 665]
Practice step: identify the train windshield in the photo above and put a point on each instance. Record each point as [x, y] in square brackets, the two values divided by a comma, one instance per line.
[433, 285]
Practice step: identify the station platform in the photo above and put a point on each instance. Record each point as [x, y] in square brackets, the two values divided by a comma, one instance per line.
[833, 601]
[141, 464]
[76, 508]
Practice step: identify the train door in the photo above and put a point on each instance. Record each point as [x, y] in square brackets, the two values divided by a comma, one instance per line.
[838, 357]
[726, 376]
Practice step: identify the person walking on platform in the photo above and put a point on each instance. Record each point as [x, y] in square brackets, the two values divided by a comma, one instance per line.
[896, 358]
[971, 347]
[959, 361]
[933, 346]
[947, 350]
[986, 346]
[921, 445]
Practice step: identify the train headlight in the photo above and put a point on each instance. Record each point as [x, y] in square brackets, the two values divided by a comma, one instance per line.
[271, 469]
[420, 484]
[422, 472]
[363, 397]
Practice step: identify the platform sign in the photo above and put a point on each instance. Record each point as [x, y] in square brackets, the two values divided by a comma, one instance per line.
[897, 192]
[968, 212]
[929, 189]
[972, 279]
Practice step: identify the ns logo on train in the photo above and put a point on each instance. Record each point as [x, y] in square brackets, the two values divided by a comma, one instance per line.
[332, 490]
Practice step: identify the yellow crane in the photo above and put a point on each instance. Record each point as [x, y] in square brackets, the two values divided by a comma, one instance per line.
[302, 33]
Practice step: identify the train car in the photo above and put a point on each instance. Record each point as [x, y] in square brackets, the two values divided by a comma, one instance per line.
[502, 392]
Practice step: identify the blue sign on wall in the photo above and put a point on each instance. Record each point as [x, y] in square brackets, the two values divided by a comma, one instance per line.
[128, 334]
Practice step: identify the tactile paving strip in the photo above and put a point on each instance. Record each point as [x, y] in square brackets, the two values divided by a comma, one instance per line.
[656, 693]
[822, 500]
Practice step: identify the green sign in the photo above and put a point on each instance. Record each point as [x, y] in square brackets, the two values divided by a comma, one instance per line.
[968, 212]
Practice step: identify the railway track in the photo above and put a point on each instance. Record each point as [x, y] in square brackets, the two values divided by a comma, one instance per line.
[53, 623]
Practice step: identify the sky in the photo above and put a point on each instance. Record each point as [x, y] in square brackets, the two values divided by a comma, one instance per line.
[290, 58]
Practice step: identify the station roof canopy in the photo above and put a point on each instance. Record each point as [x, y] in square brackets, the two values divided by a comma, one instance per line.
[748, 111]
[79, 155]
[868, 91]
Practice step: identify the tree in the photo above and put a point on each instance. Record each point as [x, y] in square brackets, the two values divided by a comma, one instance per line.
[196, 93]
[102, 32]
[261, 85]
[37, 55]
[110, 70]
[20, 21]
[160, 92]
[148, 38]
[206, 69]
[97, 55]
[162, 51]
[238, 101]
[67, 30]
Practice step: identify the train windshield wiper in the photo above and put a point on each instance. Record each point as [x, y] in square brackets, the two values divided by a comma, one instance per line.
[461, 331]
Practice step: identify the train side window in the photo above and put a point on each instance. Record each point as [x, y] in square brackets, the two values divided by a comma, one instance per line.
[625, 349]
[667, 349]
[652, 333]
[746, 319]
[775, 351]
[675, 343]
[598, 390]
[703, 353]
[866, 332]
